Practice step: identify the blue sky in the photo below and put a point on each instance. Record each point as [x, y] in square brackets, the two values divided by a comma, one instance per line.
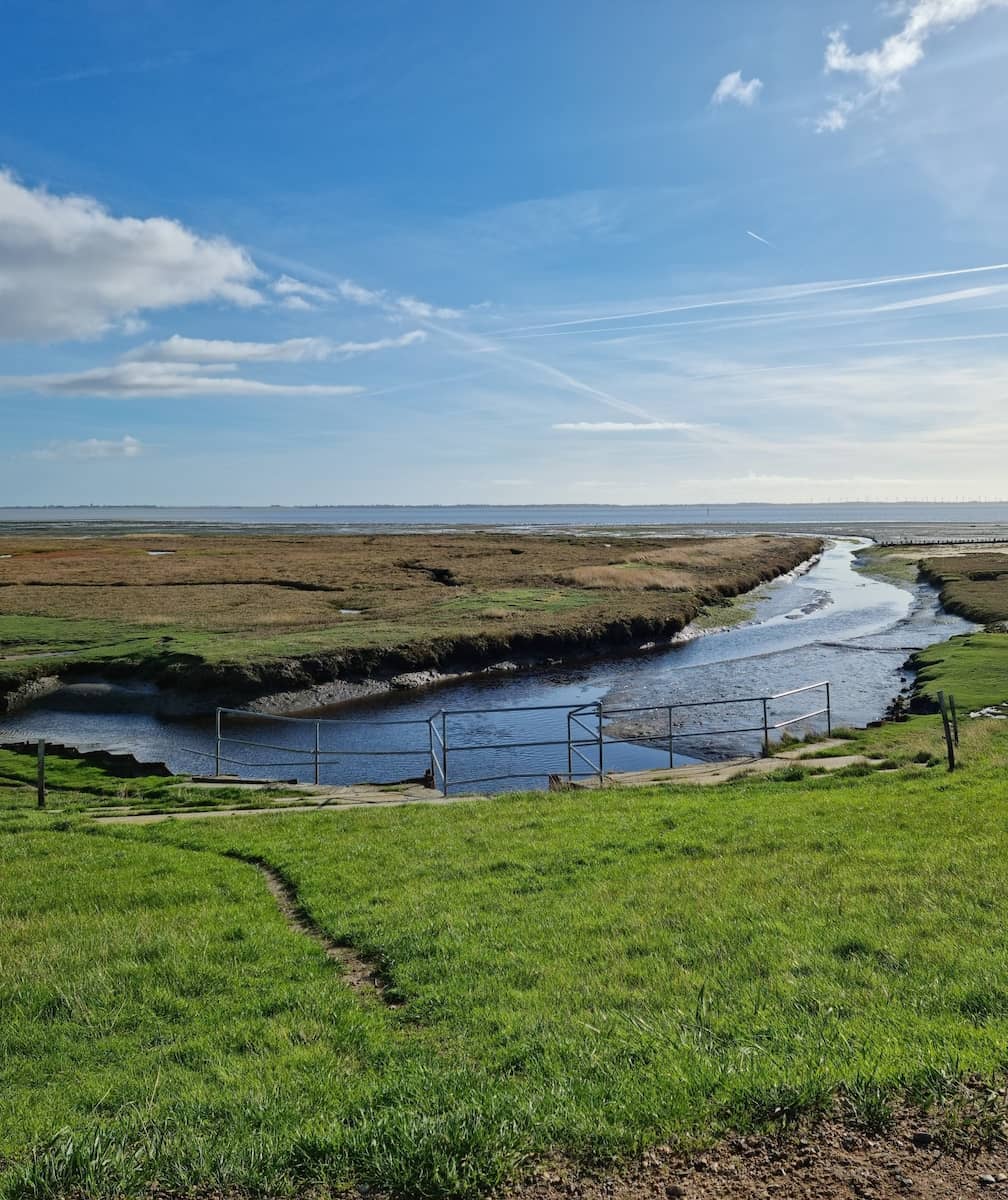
[557, 251]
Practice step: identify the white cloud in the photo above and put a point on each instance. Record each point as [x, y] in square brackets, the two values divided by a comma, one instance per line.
[298, 295]
[357, 294]
[177, 349]
[625, 426]
[413, 338]
[734, 87]
[424, 311]
[883, 68]
[286, 285]
[160, 379]
[124, 447]
[399, 305]
[69, 269]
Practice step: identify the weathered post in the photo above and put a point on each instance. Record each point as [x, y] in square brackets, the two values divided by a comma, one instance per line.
[955, 718]
[949, 746]
[41, 775]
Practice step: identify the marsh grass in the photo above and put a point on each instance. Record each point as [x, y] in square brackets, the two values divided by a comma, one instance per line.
[256, 599]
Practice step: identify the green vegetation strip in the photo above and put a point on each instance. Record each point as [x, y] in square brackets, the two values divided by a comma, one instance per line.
[585, 972]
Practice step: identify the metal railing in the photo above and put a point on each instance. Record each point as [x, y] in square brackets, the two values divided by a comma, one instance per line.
[314, 756]
[582, 737]
[583, 744]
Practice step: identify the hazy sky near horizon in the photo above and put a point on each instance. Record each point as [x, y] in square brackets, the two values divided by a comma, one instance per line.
[560, 251]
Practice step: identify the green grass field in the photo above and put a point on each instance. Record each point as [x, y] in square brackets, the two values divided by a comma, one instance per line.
[583, 973]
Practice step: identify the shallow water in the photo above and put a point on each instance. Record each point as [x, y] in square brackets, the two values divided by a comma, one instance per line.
[831, 623]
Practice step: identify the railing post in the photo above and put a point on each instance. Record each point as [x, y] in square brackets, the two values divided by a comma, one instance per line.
[433, 761]
[318, 727]
[671, 753]
[41, 774]
[766, 731]
[570, 750]
[217, 754]
[601, 743]
[444, 751]
[829, 713]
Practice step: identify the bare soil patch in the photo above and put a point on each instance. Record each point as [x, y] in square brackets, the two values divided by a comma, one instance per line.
[957, 1150]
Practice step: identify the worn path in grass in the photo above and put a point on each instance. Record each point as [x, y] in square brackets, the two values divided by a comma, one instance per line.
[357, 972]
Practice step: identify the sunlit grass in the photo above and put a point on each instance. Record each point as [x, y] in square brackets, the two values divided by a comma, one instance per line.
[590, 972]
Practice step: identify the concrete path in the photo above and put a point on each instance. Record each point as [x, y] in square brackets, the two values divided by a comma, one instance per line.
[305, 798]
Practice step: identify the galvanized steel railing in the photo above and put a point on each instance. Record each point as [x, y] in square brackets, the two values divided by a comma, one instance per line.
[585, 741]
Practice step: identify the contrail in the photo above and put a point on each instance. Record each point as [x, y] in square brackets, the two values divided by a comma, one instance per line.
[761, 239]
[793, 291]
[485, 345]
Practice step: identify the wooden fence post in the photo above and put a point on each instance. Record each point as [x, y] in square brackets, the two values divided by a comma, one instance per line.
[955, 718]
[949, 745]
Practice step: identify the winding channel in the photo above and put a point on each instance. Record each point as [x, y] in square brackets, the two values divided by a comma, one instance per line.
[832, 622]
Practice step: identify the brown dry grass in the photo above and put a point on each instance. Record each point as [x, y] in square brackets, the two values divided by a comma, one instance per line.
[405, 586]
[975, 586]
[633, 576]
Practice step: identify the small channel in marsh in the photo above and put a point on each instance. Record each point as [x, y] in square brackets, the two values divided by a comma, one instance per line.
[832, 622]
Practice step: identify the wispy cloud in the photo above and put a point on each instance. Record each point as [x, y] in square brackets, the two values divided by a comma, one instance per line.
[625, 426]
[883, 68]
[164, 380]
[297, 294]
[178, 349]
[124, 447]
[140, 66]
[733, 87]
[402, 305]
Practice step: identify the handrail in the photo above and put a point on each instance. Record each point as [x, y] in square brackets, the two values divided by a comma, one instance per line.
[438, 742]
[264, 716]
[795, 691]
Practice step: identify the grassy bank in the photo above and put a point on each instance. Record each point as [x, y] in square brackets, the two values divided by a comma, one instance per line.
[591, 973]
[281, 613]
[973, 582]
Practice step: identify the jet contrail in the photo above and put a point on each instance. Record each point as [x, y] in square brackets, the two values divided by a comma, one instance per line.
[794, 291]
[761, 239]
